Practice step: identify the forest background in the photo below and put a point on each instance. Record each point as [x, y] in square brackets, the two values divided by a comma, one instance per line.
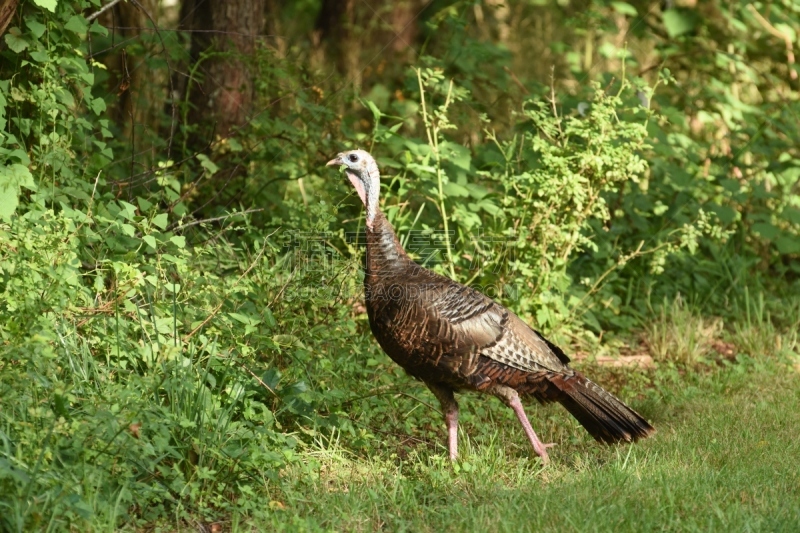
[183, 339]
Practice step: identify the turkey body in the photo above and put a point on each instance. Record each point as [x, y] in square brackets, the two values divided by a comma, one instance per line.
[454, 338]
[442, 332]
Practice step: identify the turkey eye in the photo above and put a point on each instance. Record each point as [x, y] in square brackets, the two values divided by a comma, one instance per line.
[353, 158]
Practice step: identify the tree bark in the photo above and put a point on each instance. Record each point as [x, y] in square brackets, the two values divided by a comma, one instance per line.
[224, 36]
[140, 91]
[7, 10]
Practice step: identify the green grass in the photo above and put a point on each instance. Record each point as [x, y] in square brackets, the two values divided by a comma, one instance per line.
[724, 459]
[185, 442]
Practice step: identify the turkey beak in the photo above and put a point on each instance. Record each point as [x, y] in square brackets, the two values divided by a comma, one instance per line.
[334, 162]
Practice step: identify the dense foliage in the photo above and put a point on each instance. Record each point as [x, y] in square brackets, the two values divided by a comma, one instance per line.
[180, 311]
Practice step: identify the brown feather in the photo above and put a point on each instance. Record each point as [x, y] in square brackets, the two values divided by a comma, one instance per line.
[453, 336]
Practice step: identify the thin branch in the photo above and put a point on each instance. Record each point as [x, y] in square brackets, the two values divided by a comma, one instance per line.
[775, 32]
[515, 79]
[260, 381]
[102, 10]
[176, 227]
[91, 204]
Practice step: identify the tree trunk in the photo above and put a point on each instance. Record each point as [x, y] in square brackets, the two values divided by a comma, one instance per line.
[384, 30]
[140, 92]
[7, 10]
[404, 21]
[337, 26]
[224, 35]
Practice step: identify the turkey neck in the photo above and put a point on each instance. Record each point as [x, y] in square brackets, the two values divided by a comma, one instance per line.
[385, 254]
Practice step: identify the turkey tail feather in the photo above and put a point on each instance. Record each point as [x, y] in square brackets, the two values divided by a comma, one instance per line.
[603, 415]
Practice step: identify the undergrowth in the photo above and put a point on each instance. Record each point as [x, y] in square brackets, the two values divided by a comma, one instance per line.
[183, 339]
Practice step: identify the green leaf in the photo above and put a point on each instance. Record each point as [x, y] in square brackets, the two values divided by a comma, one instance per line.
[207, 164]
[792, 214]
[127, 211]
[678, 22]
[457, 154]
[164, 325]
[788, 245]
[12, 179]
[271, 378]
[97, 28]
[454, 189]
[9, 199]
[624, 8]
[36, 27]
[376, 113]
[161, 220]
[66, 98]
[269, 318]
[244, 319]
[173, 287]
[98, 105]
[40, 56]
[477, 191]
[487, 206]
[77, 24]
[21, 156]
[234, 145]
[726, 214]
[15, 41]
[50, 5]
[766, 230]
[179, 241]
[18, 174]
[151, 241]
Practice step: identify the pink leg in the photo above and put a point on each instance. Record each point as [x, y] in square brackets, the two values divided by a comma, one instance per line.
[450, 409]
[538, 447]
[510, 397]
[451, 418]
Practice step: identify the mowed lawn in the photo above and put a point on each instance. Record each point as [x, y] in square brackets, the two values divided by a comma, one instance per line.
[726, 458]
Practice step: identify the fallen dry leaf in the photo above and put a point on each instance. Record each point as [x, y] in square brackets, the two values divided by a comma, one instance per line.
[276, 505]
[620, 361]
[725, 349]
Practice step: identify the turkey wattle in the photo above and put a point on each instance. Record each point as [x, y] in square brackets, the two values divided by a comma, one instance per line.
[454, 338]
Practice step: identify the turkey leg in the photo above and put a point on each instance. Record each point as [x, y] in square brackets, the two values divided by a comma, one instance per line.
[450, 410]
[510, 397]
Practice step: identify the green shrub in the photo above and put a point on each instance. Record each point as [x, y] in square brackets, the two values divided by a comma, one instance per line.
[179, 329]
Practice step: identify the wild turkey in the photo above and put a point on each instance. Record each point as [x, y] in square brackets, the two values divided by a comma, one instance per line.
[454, 338]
